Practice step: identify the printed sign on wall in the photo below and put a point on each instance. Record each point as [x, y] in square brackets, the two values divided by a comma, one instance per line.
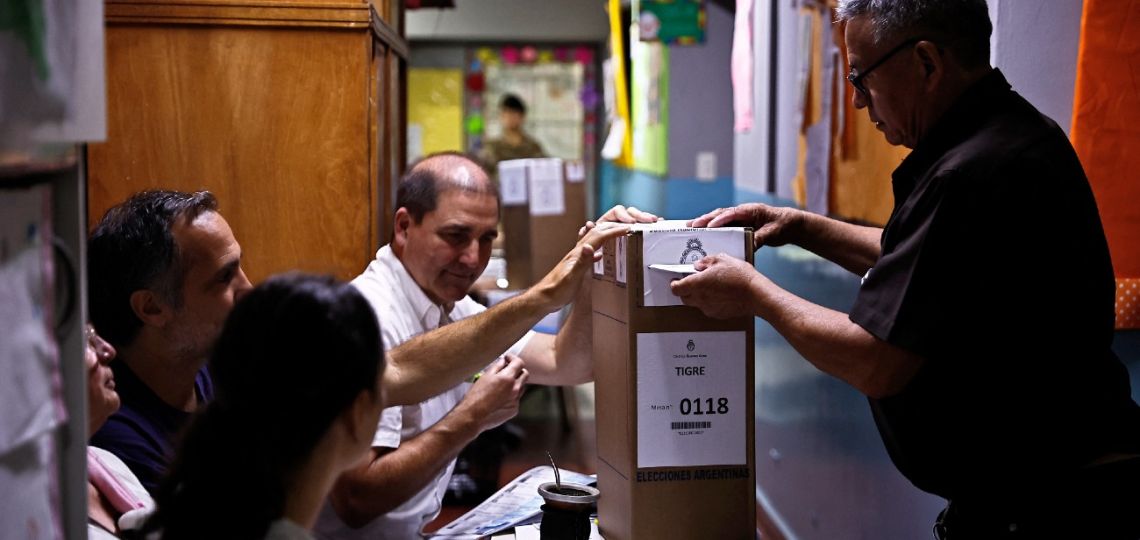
[547, 194]
[512, 182]
[691, 399]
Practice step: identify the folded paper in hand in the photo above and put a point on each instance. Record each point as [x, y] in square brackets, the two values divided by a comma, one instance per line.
[679, 269]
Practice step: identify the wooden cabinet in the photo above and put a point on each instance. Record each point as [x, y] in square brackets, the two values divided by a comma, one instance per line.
[291, 112]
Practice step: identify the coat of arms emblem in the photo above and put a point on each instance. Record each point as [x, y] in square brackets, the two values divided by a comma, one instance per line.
[694, 251]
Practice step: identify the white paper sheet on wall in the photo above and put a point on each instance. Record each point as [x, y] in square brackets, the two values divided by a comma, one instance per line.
[575, 171]
[28, 353]
[512, 181]
[53, 86]
[29, 502]
[547, 196]
[29, 363]
[665, 243]
[691, 399]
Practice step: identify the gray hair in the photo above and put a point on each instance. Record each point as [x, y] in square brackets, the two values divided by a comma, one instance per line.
[962, 26]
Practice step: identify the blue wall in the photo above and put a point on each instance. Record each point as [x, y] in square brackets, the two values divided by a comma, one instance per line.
[671, 198]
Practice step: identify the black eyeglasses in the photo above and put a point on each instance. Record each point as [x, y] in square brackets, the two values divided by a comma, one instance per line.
[856, 79]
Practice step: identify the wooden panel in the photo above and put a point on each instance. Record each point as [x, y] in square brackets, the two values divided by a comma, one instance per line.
[377, 137]
[339, 13]
[396, 144]
[273, 121]
[389, 35]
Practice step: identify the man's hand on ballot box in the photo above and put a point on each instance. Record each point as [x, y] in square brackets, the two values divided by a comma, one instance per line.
[773, 226]
[724, 287]
[560, 285]
[620, 214]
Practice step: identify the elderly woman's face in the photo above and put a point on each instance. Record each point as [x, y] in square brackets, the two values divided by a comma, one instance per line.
[102, 400]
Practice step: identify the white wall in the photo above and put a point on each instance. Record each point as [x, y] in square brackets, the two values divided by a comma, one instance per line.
[1035, 45]
[511, 20]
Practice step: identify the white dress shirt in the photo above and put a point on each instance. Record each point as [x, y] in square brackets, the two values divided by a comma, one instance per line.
[404, 312]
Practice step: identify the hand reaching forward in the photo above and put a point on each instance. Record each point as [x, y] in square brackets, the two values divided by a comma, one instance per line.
[560, 285]
[620, 214]
[722, 288]
[773, 226]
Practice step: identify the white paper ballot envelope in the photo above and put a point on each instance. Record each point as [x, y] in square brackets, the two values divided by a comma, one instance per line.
[669, 249]
[676, 269]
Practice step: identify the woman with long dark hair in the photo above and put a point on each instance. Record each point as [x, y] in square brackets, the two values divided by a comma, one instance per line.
[297, 373]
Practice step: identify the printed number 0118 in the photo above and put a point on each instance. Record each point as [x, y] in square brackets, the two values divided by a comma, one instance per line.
[694, 406]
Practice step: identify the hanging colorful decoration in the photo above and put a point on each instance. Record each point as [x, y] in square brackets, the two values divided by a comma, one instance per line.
[485, 54]
[584, 55]
[475, 82]
[673, 22]
[545, 57]
[510, 55]
[528, 54]
[562, 54]
[475, 124]
[590, 97]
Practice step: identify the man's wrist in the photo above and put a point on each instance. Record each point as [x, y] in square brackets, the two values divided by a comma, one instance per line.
[467, 421]
[800, 226]
[758, 294]
[539, 300]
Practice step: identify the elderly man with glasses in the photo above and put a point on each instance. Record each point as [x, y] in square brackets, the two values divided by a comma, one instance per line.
[982, 330]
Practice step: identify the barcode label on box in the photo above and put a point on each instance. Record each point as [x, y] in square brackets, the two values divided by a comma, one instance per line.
[691, 425]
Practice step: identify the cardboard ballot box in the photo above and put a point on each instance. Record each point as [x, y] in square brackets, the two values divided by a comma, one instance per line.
[544, 205]
[675, 394]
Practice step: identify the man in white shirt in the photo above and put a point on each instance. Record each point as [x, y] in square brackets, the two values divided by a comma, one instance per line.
[446, 219]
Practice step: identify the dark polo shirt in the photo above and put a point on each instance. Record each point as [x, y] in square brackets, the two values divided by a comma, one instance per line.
[143, 431]
[995, 269]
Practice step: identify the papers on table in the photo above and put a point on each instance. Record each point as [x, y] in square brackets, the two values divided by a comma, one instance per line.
[516, 503]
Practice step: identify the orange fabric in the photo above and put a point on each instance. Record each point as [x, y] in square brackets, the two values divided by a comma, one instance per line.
[1106, 130]
[1127, 303]
[862, 162]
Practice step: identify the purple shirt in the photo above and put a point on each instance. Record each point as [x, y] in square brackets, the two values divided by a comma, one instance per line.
[143, 431]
